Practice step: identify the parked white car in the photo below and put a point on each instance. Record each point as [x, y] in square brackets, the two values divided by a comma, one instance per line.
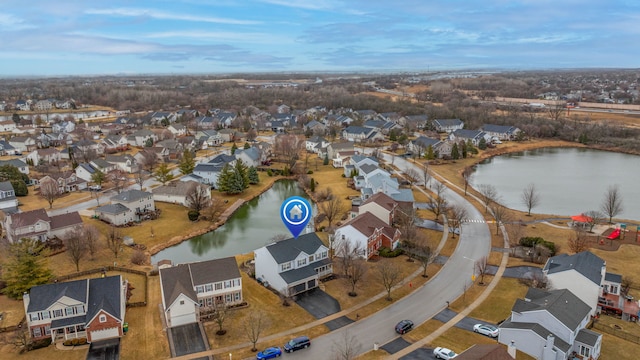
[444, 353]
[488, 330]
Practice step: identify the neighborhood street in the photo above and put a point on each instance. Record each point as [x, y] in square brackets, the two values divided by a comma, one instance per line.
[422, 304]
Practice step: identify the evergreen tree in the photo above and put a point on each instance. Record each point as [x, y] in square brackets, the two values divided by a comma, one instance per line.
[148, 142]
[98, 177]
[470, 148]
[430, 155]
[482, 145]
[187, 163]
[241, 169]
[253, 175]
[236, 183]
[393, 135]
[163, 174]
[464, 150]
[455, 154]
[326, 159]
[26, 266]
[312, 185]
[247, 145]
[16, 118]
[224, 178]
[234, 147]
[18, 180]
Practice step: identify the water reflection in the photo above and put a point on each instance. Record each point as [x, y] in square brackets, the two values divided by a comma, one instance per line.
[249, 228]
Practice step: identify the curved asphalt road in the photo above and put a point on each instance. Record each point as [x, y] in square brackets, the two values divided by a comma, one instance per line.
[422, 304]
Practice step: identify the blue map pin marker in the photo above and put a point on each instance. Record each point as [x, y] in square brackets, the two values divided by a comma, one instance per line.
[295, 213]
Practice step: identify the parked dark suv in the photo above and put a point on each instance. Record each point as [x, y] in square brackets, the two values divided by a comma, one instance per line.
[404, 326]
[298, 343]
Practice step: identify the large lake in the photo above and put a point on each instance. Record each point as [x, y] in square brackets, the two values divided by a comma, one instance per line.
[569, 180]
[250, 227]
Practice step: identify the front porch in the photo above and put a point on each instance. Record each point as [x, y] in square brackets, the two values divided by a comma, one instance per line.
[68, 328]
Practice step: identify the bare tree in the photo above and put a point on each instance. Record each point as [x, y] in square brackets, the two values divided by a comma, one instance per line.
[421, 251]
[214, 210]
[612, 202]
[198, 197]
[405, 220]
[425, 174]
[253, 325]
[390, 276]
[76, 247]
[22, 339]
[626, 284]
[139, 176]
[536, 280]
[148, 161]
[49, 190]
[530, 197]
[91, 236]
[437, 202]
[556, 111]
[488, 194]
[467, 176]
[356, 272]
[500, 215]
[412, 175]
[347, 348]
[456, 216]
[578, 242]
[220, 315]
[347, 253]
[594, 217]
[514, 232]
[482, 267]
[97, 195]
[118, 179]
[114, 241]
[333, 209]
[288, 148]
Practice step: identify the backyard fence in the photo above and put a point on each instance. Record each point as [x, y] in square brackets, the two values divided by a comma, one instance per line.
[615, 332]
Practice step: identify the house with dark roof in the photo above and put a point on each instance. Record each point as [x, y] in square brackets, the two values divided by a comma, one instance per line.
[487, 352]
[102, 165]
[210, 137]
[500, 132]
[366, 233]
[6, 148]
[178, 192]
[447, 125]
[189, 288]
[126, 207]
[22, 143]
[315, 127]
[366, 114]
[294, 265]
[420, 146]
[19, 164]
[126, 162]
[250, 157]
[357, 133]
[475, 136]
[381, 206]
[85, 171]
[550, 325]
[67, 181]
[418, 121]
[582, 273]
[115, 143]
[89, 308]
[8, 200]
[317, 144]
[38, 225]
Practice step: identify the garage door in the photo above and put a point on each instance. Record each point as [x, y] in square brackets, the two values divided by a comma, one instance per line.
[104, 334]
[183, 319]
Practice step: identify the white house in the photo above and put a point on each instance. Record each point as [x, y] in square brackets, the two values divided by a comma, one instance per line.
[293, 266]
[178, 192]
[44, 156]
[126, 162]
[501, 132]
[582, 273]
[38, 225]
[177, 129]
[448, 125]
[381, 206]
[189, 288]
[475, 136]
[8, 200]
[250, 157]
[368, 234]
[22, 143]
[126, 207]
[550, 325]
[7, 126]
[85, 171]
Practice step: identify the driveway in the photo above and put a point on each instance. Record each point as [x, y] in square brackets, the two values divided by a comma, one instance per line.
[318, 303]
[186, 339]
[104, 350]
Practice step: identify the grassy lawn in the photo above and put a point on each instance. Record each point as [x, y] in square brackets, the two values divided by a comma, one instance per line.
[614, 347]
[34, 201]
[624, 261]
[12, 311]
[498, 305]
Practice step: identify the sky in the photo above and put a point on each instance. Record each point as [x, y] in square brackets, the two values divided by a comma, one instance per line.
[90, 37]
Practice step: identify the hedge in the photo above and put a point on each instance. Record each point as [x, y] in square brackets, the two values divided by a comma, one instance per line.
[388, 253]
[533, 241]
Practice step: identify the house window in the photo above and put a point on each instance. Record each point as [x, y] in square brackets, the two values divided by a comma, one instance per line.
[237, 296]
[103, 318]
[227, 298]
[219, 286]
[302, 262]
[181, 302]
[585, 351]
[311, 259]
[208, 287]
[47, 329]
[286, 266]
[201, 302]
[199, 289]
[324, 255]
[37, 332]
[209, 302]
[227, 284]
[71, 329]
[613, 289]
[80, 327]
[57, 313]
[236, 282]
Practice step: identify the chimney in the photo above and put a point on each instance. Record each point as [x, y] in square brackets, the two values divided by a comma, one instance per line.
[511, 349]
[547, 351]
[25, 300]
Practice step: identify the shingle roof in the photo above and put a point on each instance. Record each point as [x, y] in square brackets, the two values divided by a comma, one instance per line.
[383, 200]
[43, 296]
[357, 130]
[504, 129]
[562, 304]
[298, 274]
[90, 169]
[540, 331]
[212, 271]
[116, 208]
[175, 281]
[588, 337]
[468, 134]
[448, 122]
[64, 220]
[288, 250]
[585, 263]
[6, 186]
[425, 142]
[367, 224]
[131, 195]
[104, 294]
[614, 278]
[29, 217]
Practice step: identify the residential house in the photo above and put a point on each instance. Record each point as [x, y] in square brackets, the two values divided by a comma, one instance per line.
[126, 162]
[183, 114]
[89, 308]
[103, 165]
[250, 157]
[338, 120]
[67, 181]
[294, 265]
[8, 200]
[207, 122]
[156, 118]
[278, 126]
[500, 132]
[225, 118]
[22, 105]
[227, 135]
[6, 148]
[283, 109]
[315, 127]
[389, 117]
[173, 147]
[357, 133]
[63, 127]
[366, 114]
[381, 206]
[208, 173]
[211, 137]
[367, 233]
[85, 171]
[43, 105]
[162, 154]
[317, 144]
[126, 207]
[7, 126]
[447, 125]
[177, 129]
[115, 143]
[19, 164]
[44, 156]
[475, 136]
[142, 138]
[38, 225]
[22, 143]
[551, 325]
[178, 192]
[333, 148]
[342, 158]
[86, 146]
[487, 352]
[582, 273]
[189, 288]
[421, 144]
[414, 121]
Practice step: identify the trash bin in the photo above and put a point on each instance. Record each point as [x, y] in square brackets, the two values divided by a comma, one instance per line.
[376, 346]
[125, 327]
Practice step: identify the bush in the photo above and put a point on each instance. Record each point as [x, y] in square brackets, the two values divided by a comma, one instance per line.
[82, 341]
[388, 253]
[39, 344]
[67, 343]
[269, 172]
[138, 257]
[309, 171]
[533, 241]
[193, 215]
[344, 176]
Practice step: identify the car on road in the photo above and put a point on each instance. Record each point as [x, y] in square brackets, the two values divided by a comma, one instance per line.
[485, 329]
[301, 342]
[404, 326]
[269, 353]
[95, 187]
[443, 353]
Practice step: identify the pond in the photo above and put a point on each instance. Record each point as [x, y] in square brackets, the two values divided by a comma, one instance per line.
[570, 181]
[250, 227]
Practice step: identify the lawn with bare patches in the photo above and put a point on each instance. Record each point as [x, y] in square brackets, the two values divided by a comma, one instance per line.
[497, 306]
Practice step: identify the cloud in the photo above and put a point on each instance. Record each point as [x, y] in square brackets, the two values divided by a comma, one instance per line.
[203, 35]
[10, 22]
[161, 15]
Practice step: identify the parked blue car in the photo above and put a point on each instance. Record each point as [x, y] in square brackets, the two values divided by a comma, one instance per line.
[269, 353]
